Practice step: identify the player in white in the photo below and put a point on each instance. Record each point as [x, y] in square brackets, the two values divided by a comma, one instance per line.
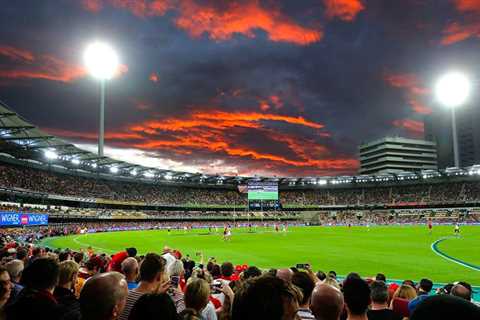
[185, 228]
[457, 229]
[284, 228]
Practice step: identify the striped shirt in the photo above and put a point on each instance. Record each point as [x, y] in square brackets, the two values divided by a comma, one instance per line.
[132, 298]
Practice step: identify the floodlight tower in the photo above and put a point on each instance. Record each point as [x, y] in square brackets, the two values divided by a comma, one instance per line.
[102, 63]
[452, 90]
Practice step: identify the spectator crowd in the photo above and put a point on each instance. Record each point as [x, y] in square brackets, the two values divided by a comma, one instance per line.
[63, 284]
[83, 187]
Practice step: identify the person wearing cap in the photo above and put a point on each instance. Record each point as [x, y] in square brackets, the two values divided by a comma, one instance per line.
[117, 259]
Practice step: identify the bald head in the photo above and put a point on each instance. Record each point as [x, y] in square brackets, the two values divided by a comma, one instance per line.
[103, 296]
[285, 274]
[461, 291]
[326, 303]
[130, 268]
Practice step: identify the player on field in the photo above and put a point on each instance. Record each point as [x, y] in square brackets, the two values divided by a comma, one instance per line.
[457, 229]
[227, 234]
[430, 226]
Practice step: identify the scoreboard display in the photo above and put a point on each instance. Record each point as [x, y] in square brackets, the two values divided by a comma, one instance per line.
[262, 191]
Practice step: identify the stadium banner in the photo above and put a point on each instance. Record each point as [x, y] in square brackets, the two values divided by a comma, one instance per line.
[23, 219]
[258, 190]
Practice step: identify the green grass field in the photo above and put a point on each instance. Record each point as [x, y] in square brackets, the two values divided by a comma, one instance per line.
[400, 252]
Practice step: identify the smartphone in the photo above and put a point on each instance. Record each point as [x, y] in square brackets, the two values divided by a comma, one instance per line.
[216, 286]
[174, 280]
[303, 266]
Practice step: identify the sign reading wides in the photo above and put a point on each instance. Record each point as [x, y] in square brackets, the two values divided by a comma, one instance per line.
[262, 190]
[23, 219]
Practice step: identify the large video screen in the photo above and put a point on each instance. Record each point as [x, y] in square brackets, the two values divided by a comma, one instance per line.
[262, 191]
[23, 219]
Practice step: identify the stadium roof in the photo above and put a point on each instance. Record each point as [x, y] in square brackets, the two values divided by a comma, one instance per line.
[24, 141]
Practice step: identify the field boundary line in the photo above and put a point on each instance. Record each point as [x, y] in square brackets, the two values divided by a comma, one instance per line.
[434, 247]
[89, 245]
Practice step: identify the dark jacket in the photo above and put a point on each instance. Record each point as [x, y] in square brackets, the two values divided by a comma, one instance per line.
[69, 302]
[34, 304]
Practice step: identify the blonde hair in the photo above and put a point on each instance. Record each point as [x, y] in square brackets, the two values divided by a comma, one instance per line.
[66, 270]
[196, 294]
[331, 282]
[405, 292]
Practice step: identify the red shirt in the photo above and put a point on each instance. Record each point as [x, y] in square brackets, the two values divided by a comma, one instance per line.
[117, 259]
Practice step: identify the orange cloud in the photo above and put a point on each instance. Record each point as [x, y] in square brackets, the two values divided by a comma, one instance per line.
[92, 135]
[16, 53]
[42, 66]
[220, 23]
[456, 32]
[153, 77]
[222, 120]
[242, 18]
[413, 90]
[467, 5]
[92, 5]
[469, 27]
[345, 10]
[414, 127]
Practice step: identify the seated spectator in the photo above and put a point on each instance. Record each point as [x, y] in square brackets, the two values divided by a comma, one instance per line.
[381, 277]
[5, 288]
[321, 275]
[168, 256]
[251, 272]
[405, 292]
[306, 284]
[65, 290]
[22, 255]
[177, 282]
[130, 270]
[445, 307]
[36, 300]
[197, 295]
[356, 293]
[379, 308]
[152, 280]
[154, 306]
[227, 272]
[332, 274]
[15, 269]
[326, 302]
[117, 259]
[332, 282]
[462, 290]
[285, 274]
[424, 288]
[265, 297]
[103, 296]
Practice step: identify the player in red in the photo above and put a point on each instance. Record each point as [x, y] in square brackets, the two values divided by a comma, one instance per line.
[430, 226]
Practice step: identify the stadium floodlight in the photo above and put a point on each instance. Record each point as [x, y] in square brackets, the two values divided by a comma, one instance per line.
[168, 177]
[102, 63]
[94, 165]
[50, 154]
[113, 169]
[76, 162]
[322, 182]
[133, 172]
[452, 90]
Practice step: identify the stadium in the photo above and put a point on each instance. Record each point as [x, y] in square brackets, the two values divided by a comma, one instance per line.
[295, 223]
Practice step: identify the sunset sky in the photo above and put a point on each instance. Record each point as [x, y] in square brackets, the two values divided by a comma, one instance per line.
[287, 88]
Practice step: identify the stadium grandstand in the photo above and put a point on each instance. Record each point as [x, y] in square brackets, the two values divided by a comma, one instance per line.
[55, 198]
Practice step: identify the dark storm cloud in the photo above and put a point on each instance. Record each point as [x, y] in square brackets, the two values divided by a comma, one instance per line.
[305, 81]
